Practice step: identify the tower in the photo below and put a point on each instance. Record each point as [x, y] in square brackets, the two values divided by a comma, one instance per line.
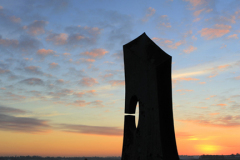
[148, 81]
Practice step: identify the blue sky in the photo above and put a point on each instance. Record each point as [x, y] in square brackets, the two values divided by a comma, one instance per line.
[61, 68]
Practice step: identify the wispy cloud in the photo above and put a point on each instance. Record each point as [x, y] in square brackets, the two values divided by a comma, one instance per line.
[190, 49]
[150, 12]
[87, 81]
[95, 130]
[117, 82]
[21, 124]
[95, 53]
[218, 31]
[36, 27]
[33, 81]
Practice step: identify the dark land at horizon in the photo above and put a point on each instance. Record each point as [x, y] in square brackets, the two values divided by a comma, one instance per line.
[182, 157]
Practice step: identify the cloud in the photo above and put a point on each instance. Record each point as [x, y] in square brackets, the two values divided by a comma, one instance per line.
[88, 92]
[4, 71]
[22, 124]
[8, 42]
[118, 56]
[14, 97]
[164, 24]
[190, 49]
[169, 43]
[219, 31]
[219, 121]
[97, 103]
[67, 54]
[33, 69]
[213, 114]
[202, 82]
[196, 13]
[95, 130]
[45, 52]
[95, 53]
[32, 81]
[61, 93]
[221, 105]
[150, 12]
[36, 27]
[108, 75]
[9, 110]
[237, 78]
[53, 65]
[175, 80]
[85, 60]
[82, 35]
[184, 90]
[234, 36]
[79, 103]
[214, 75]
[57, 39]
[196, 19]
[117, 82]
[87, 81]
[195, 3]
[223, 46]
[74, 73]
[15, 19]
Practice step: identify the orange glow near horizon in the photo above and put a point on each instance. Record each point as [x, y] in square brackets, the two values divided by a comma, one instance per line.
[58, 143]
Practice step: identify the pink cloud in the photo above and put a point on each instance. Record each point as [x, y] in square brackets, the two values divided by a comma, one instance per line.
[190, 49]
[237, 78]
[167, 24]
[223, 46]
[150, 12]
[184, 90]
[223, 66]
[196, 13]
[95, 53]
[3, 71]
[213, 114]
[108, 75]
[221, 105]
[28, 59]
[66, 54]
[80, 94]
[45, 52]
[87, 60]
[57, 39]
[175, 45]
[117, 82]
[8, 42]
[218, 31]
[86, 81]
[36, 28]
[53, 65]
[196, 19]
[234, 36]
[214, 75]
[60, 81]
[195, 3]
[79, 103]
[188, 79]
[15, 19]
[202, 82]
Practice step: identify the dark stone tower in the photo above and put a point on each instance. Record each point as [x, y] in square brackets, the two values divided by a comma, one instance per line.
[148, 81]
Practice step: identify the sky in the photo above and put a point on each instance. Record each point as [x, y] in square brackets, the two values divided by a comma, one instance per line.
[62, 88]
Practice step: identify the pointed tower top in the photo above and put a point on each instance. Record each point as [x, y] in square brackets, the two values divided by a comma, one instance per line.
[147, 50]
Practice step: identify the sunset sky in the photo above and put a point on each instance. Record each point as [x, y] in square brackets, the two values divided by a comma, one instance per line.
[62, 85]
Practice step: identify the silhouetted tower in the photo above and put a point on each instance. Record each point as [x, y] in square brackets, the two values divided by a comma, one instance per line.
[148, 81]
